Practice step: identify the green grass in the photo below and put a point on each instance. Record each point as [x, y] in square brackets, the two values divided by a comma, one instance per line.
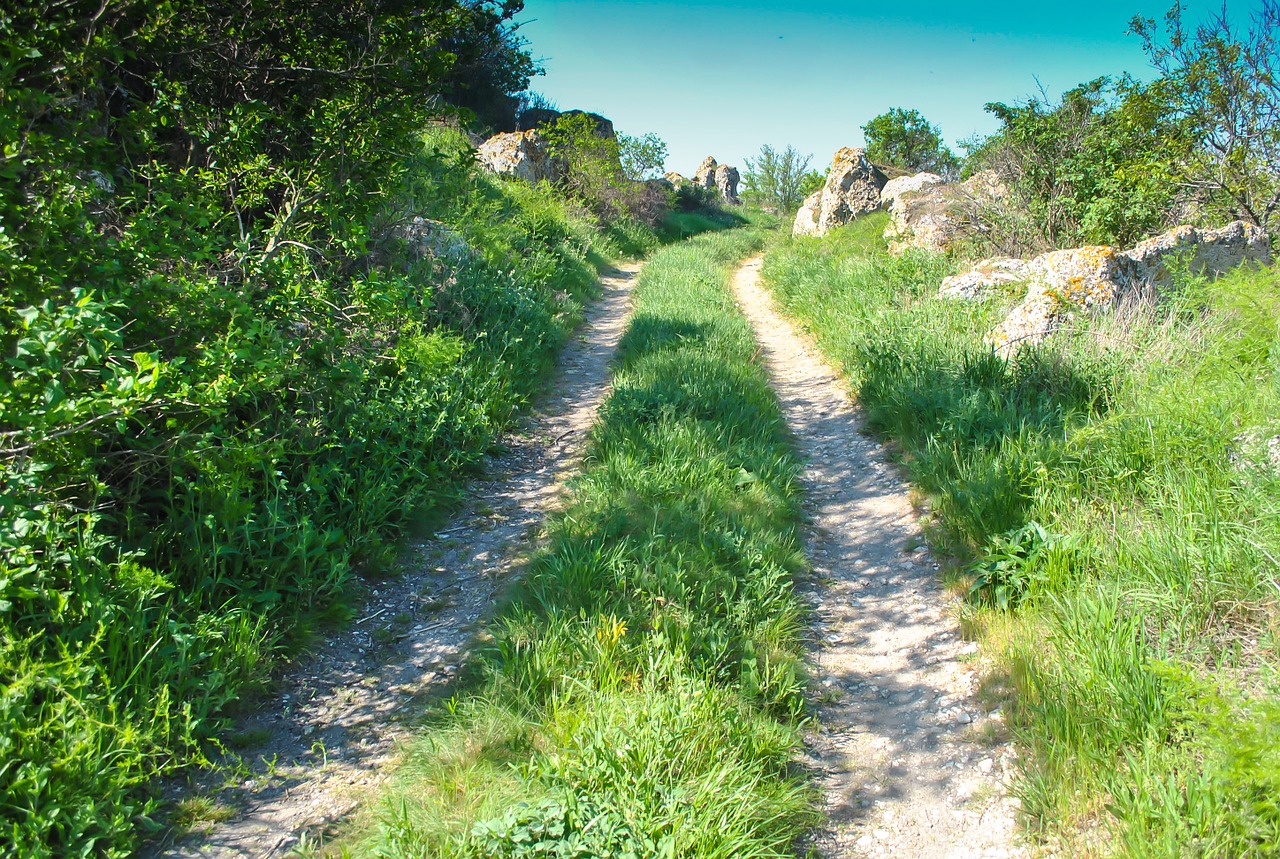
[638, 694]
[1111, 497]
[200, 455]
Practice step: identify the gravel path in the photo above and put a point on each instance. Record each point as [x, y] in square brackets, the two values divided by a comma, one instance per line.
[323, 742]
[910, 763]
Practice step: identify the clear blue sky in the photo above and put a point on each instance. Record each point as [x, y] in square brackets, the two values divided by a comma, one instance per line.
[720, 78]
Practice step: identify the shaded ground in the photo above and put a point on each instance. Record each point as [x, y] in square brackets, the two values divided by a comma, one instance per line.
[910, 763]
[314, 750]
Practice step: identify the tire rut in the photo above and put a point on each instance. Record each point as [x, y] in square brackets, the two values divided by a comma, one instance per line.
[324, 740]
[898, 749]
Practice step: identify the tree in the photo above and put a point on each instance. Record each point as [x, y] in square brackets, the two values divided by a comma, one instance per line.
[642, 157]
[1223, 82]
[905, 139]
[775, 179]
[1096, 167]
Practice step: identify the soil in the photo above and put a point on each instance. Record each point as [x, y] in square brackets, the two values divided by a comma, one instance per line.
[910, 762]
[326, 739]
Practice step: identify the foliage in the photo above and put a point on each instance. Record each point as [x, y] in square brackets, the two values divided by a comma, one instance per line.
[775, 179]
[592, 171]
[640, 692]
[906, 140]
[811, 182]
[1134, 625]
[1016, 564]
[642, 157]
[1095, 168]
[1223, 84]
[229, 378]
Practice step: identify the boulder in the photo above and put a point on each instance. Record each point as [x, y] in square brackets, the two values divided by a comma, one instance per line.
[718, 177]
[676, 179]
[986, 277]
[935, 215]
[1085, 280]
[428, 238]
[806, 223]
[706, 173]
[852, 189]
[894, 188]
[727, 179]
[521, 154]
[1061, 284]
[1210, 252]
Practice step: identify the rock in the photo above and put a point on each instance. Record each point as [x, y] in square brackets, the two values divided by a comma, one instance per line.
[706, 173]
[1062, 283]
[936, 215]
[676, 179]
[1210, 252]
[428, 238]
[521, 154]
[1090, 279]
[727, 179]
[806, 223]
[718, 177]
[852, 189]
[894, 188]
[984, 278]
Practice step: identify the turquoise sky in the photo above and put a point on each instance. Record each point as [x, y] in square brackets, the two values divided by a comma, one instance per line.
[717, 78]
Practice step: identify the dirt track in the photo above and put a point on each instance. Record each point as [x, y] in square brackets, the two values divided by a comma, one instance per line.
[897, 752]
[324, 741]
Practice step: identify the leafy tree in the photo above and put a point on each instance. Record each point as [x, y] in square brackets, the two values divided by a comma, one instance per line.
[642, 157]
[1223, 83]
[905, 139]
[811, 183]
[592, 169]
[775, 179]
[1093, 168]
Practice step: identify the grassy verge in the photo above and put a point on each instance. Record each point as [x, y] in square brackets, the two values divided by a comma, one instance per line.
[204, 437]
[1112, 498]
[638, 694]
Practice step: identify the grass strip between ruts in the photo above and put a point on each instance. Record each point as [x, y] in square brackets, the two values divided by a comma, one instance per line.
[639, 693]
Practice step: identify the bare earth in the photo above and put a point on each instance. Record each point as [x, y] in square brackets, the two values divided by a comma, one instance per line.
[324, 741]
[910, 763]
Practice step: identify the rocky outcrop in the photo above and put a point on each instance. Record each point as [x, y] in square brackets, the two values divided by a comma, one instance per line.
[1061, 284]
[1209, 252]
[718, 177]
[985, 278]
[936, 215]
[895, 188]
[852, 188]
[705, 175]
[727, 179]
[521, 154]
[676, 179]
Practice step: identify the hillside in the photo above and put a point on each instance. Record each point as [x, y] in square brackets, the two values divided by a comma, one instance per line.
[394, 464]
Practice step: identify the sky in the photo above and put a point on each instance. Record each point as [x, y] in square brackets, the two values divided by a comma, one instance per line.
[722, 79]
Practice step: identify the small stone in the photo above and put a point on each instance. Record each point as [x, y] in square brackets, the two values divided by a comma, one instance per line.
[865, 841]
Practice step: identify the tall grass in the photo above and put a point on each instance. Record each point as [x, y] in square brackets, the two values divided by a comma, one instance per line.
[638, 694]
[1114, 491]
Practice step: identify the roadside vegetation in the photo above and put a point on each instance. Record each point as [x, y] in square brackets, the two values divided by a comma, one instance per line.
[638, 695]
[1111, 501]
[231, 376]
